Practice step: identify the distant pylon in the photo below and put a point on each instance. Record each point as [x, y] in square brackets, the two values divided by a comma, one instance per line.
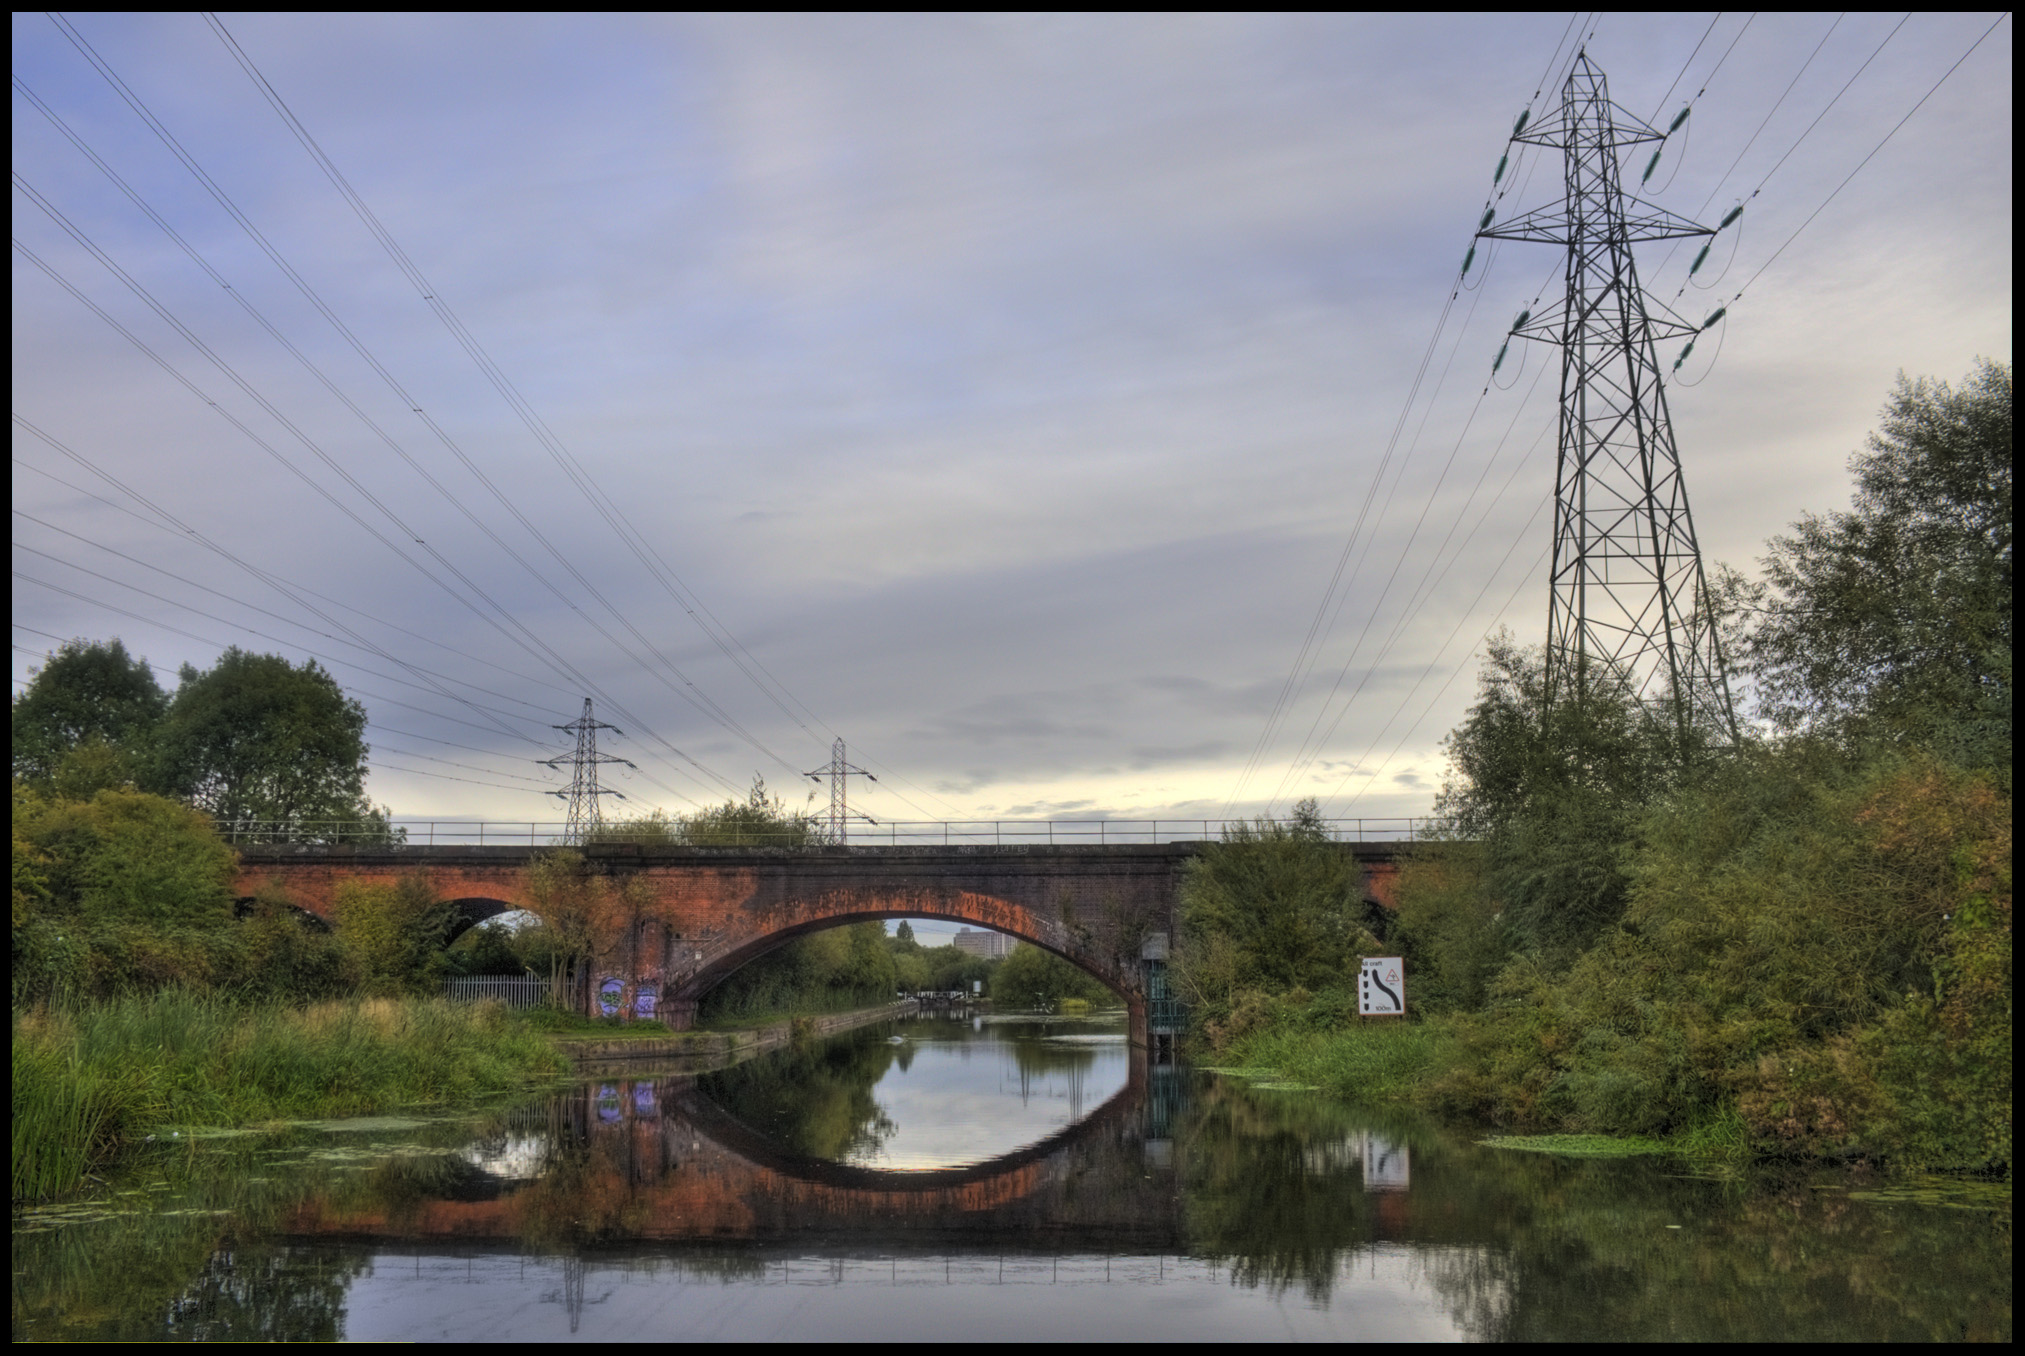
[840, 772]
[585, 817]
[1629, 605]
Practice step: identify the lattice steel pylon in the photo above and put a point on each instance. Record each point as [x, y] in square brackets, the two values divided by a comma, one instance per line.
[585, 817]
[839, 773]
[1629, 606]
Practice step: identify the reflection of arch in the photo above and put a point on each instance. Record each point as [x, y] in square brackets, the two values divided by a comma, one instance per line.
[754, 1146]
[472, 911]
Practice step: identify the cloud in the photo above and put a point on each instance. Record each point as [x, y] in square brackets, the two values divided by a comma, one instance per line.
[1002, 392]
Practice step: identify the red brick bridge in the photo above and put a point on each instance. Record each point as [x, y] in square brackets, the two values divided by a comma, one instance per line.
[707, 911]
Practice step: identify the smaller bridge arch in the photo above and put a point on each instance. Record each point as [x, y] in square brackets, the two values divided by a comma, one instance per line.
[471, 910]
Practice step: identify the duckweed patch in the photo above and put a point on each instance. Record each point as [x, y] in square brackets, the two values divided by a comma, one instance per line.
[1947, 1193]
[1580, 1146]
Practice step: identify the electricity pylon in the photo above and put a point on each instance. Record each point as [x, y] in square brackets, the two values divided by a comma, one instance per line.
[584, 816]
[1630, 607]
[839, 772]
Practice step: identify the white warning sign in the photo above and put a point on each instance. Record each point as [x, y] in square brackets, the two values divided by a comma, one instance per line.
[1381, 988]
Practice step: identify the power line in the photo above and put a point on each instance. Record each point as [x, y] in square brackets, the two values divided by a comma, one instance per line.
[140, 109]
[572, 469]
[299, 587]
[238, 626]
[1454, 673]
[1873, 152]
[205, 588]
[545, 650]
[695, 696]
[642, 548]
[1430, 581]
[1319, 628]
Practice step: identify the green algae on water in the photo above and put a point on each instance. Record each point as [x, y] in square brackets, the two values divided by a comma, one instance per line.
[1579, 1146]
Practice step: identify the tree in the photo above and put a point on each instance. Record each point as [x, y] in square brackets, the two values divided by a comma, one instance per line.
[578, 908]
[904, 933]
[1553, 794]
[761, 820]
[1278, 904]
[393, 934]
[1892, 622]
[260, 740]
[1038, 980]
[93, 710]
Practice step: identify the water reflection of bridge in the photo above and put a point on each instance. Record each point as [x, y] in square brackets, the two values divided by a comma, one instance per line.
[653, 1161]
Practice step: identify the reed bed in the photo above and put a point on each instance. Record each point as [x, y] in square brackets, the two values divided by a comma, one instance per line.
[92, 1083]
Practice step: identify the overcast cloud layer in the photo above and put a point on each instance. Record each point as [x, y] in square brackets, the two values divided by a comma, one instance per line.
[1007, 388]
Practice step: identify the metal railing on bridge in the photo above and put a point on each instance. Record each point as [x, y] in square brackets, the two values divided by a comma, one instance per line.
[886, 833]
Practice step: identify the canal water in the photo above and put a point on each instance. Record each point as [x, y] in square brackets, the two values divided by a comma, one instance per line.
[1018, 1178]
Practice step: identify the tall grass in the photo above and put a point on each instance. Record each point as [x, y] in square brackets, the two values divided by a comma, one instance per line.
[1365, 1061]
[92, 1083]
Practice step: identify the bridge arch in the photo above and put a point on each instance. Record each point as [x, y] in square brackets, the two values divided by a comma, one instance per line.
[691, 966]
[712, 970]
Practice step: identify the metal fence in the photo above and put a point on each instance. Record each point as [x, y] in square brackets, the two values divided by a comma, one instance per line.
[887, 833]
[516, 991]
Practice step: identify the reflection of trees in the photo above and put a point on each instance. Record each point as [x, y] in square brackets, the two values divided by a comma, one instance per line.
[1582, 1249]
[814, 1100]
[1036, 1059]
[1527, 1247]
[265, 1292]
[1259, 1199]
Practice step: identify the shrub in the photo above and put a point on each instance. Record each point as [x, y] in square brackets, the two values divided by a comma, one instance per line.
[392, 935]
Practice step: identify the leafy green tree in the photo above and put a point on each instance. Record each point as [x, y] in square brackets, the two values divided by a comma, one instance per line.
[952, 969]
[92, 706]
[1892, 621]
[651, 830]
[1033, 979]
[129, 857]
[904, 934]
[125, 891]
[760, 820]
[1553, 795]
[1274, 906]
[259, 740]
[393, 934]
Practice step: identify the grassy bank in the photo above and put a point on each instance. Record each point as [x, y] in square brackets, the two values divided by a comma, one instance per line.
[1371, 1061]
[94, 1083]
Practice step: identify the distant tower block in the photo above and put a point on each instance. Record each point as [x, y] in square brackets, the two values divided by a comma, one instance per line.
[990, 945]
[1629, 606]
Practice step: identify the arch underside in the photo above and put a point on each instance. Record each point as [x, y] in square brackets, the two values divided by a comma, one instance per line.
[1012, 920]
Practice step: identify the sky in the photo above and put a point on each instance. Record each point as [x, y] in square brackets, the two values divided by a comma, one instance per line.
[998, 395]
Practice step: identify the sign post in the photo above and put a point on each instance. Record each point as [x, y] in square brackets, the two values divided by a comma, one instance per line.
[1381, 987]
